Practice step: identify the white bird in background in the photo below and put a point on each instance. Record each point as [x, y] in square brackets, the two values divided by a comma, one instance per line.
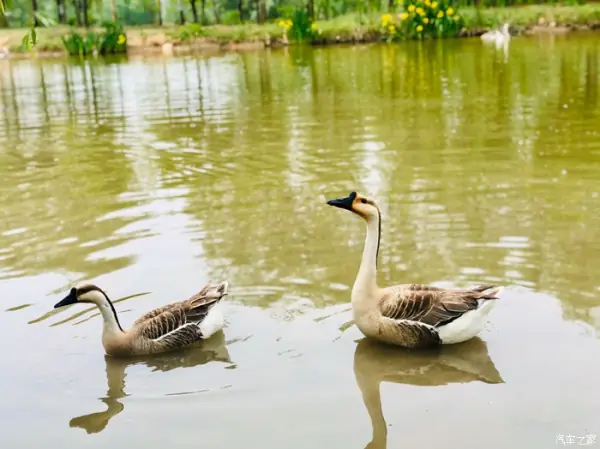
[4, 48]
[497, 36]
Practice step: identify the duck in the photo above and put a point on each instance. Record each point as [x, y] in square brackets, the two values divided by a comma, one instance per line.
[177, 325]
[497, 36]
[410, 315]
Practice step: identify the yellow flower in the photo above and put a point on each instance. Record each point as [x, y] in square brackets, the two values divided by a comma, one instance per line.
[313, 26]
[404, 16]
[440, 14]
[419, 28]
[449, 11]
[434, 5]
[286, 24]
[392, 29]
[427, 3]
[420, 11]
[425, 20]
[411, 8]
[121, 39]
[385, 19]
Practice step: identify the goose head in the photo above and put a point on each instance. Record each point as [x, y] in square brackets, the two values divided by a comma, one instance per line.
[86, 293]
[359, 204]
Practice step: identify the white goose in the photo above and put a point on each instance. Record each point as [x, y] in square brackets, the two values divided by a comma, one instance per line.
[497, 36]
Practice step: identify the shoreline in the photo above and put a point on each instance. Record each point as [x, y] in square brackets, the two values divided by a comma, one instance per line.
[345, 30]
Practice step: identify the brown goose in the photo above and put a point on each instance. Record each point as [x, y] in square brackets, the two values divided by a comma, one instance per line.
[410, 315]
[163, 329]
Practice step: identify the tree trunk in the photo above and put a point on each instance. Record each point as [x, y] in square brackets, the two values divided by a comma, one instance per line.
[84, 11]
[3, 17]
[113, 10]
[181, 13]
[262, 10]
[216, 12]
[310, 9]
[240, 8]
[194, 10]
[60, 9]
[34, 7]
[327, 9]
[159, 8]
[77, 12]
[391, 5]
[203, 11]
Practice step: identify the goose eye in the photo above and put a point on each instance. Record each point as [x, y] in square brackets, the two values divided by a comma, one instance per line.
[362, 200]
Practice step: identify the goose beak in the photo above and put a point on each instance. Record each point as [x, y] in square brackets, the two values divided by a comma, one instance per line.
[342, 203]
[71, 298]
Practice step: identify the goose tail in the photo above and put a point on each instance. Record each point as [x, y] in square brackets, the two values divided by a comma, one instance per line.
[489, 291]
[222, 289]
[214, 319]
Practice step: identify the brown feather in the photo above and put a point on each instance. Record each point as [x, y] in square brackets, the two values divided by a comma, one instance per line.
[177, 325]
[153, 313]
[433, 306]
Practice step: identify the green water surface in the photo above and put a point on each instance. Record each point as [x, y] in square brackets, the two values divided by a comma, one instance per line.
[150, 176]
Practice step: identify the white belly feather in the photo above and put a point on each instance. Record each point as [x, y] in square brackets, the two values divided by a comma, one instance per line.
[468, 325]
[213, 322]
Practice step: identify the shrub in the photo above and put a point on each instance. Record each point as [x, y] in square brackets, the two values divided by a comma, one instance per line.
[75, 44]
[112, 41]
[299, 27]
[189, 32]
[423, 18]
[231, 18]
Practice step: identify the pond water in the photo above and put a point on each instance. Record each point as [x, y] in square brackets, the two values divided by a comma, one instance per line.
[151, 176]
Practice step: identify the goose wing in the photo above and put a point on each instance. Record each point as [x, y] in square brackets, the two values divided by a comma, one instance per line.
[200, 296]
[178, 323]
[412, 312]
[154, 313]
[171, 328]
[431, 306]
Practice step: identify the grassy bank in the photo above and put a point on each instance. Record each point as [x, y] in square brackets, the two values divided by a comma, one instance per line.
[343, 29]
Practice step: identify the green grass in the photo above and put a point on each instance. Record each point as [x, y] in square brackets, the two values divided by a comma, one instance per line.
[518, 16]
[526, 16]
[49, 39]
[348, 28]
[241, 33]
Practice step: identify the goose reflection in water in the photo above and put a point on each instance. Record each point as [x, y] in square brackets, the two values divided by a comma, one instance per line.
[213, 349]
[375, 362]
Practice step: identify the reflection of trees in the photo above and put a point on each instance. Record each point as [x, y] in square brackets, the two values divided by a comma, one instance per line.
[63, 171]
[463, 145]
